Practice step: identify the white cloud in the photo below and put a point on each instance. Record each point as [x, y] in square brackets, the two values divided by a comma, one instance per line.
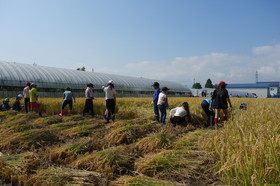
[216, 66]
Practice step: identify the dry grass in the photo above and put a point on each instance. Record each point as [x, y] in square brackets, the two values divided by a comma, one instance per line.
[153, 143]
[135, 150]
[109, 161]
[248, 146]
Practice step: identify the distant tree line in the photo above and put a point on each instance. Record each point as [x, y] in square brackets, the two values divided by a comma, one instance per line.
[208, 84]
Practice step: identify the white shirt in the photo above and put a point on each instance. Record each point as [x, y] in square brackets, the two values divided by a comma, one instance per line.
[109, 93]
[89, 93]
[179, 111]
[26, 92]
[161, 98]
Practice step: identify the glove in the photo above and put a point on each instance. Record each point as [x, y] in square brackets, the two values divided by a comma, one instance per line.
[210, 108]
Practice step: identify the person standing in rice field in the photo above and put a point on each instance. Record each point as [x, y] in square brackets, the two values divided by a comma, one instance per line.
[155, 100]
[110, 98]
[26, 96]
[34, 104]
[89, 100]
[68, 98]
[163, 104]
[220, 99]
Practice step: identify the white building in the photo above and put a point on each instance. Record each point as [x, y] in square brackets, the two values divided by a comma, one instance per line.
[261, 89]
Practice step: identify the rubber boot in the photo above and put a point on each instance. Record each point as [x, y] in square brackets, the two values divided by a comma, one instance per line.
[69, 112]
[61, 113]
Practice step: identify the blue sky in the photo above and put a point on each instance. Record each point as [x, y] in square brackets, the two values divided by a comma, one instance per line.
[176, 40]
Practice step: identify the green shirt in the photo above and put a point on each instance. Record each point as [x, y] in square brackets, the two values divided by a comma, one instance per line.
[33, 94]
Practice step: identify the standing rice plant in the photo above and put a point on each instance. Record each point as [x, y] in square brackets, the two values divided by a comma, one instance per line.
[248, 147]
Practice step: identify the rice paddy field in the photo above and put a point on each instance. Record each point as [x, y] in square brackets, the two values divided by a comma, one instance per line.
[135, 150]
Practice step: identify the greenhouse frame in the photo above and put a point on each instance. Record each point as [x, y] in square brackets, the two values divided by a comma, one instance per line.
[51, 81]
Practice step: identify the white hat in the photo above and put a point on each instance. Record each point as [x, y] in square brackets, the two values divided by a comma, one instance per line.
[20, 96]
[110, 82]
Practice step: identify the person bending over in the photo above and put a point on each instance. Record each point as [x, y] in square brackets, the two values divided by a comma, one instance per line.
[180, 115]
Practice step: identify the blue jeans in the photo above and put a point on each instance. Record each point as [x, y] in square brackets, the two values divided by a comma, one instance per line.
[162, 109]
[156, 111]
[209, 114]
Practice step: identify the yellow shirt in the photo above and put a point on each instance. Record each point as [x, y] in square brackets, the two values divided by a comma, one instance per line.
[33, 94]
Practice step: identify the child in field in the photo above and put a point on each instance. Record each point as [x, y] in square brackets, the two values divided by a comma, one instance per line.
[16, 106]
[163, 104]
[68, 98]
[26, 96]
[155, 100]
[34, 104]
[89, 97]
[242, 107]
[5, 106]
[220, 99]
[110, 97]
[207, 108]
[181, 115]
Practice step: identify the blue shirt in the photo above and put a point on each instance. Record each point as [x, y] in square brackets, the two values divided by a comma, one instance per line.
[68, 95]
[5, 106]
[208, 100]
[155, 96]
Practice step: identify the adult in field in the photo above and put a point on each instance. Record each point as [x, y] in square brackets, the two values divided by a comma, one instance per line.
[68, 98]
[34, 103]
[5, 105]
[17, 106]
[220, 99]
[155, 100]
[26, 96]
[110, 98]
[89, 97]
[163, 104]
[207, 108]
[180, 115]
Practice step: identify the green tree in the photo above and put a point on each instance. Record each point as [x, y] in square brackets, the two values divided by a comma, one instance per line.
[208, 83]
[82, 69]
[197, 86]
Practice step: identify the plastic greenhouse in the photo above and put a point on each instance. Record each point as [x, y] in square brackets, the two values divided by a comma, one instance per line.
[51, 81]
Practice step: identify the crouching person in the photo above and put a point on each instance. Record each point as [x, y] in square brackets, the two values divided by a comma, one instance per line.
[5, 106]
[180, 115]
[17, 106]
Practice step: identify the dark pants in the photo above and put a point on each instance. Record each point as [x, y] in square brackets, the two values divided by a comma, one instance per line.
[209, 114]
[162, 109]
[88, 107]
[177, 120]
[156, 112]
[67, 102]
[110, 106]
[27, 104]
